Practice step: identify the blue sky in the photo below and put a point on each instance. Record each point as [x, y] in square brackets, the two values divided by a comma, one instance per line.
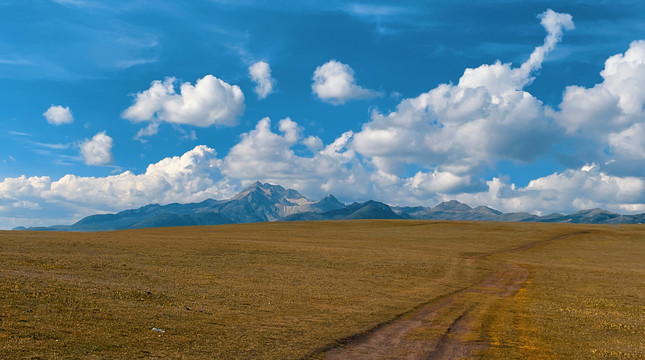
[112, 105]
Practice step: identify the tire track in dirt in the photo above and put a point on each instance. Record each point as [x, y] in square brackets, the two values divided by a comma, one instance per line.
[438, 329]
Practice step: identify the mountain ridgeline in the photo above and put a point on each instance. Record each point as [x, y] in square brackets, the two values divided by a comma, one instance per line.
[265, 202]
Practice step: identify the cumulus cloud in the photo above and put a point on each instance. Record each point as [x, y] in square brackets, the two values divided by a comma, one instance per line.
[23, 187]
[97, 150]
[260, 73]
[196, 175]
[210, 101]
[334, 82]
[185, 178]
[268, 155]
[629, 142]
[486, 117]
[261, 153]
[191, 177]
[444, 183]
[265, 155]
[567, 191]
[610, 115]
[313, 143]
[448, 135]
[58, 115]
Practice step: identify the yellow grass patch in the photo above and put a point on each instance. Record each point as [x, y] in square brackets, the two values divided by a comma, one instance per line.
[284, 290]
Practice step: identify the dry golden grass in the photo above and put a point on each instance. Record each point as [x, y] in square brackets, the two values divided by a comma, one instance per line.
[284, 290]
[585, 299]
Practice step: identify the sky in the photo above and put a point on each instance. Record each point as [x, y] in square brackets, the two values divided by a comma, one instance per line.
[533, 106]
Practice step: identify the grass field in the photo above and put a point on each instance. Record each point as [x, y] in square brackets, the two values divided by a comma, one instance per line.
[292, 290]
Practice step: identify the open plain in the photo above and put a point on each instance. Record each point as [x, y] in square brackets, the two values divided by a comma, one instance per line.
[345, 289]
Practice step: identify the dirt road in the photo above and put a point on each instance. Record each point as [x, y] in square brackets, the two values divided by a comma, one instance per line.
[440, 329]
[448, 318]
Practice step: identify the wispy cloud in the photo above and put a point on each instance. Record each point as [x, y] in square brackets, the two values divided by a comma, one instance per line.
[15, 61]
[124, 64]
[45, 149]
[18, 133]
[38, 147]
[376, 11]
[388, 19]
[51, 146]
[93, 31]
[71, 2]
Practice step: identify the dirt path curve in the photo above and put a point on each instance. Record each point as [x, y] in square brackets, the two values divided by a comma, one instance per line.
[437, 330]
[448, 318]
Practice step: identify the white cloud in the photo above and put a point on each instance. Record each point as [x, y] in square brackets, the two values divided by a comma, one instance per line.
[210, 101]
[573, 185]
[149, 130]
[23, 187]
[98, 150]
[58, 115]
[616, 102]
[268, 156]
[443, 182]
[334, 83]
[313, 143]
[568, 191]
[611, 113]
[448, 135]
[177, 179]
[458, 128]
[260, 73]
[555, 24]
[265, 155]
[187, 178]
[630, 141]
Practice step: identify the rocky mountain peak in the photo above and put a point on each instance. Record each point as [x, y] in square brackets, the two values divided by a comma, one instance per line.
[267, 202]
[452, 205]
[268, 191]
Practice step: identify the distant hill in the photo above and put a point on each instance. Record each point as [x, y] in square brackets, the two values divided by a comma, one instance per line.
[367, 210]
[265, 202]
[257, 203]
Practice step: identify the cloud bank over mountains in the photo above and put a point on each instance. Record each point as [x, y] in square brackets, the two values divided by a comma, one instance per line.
[449, 135]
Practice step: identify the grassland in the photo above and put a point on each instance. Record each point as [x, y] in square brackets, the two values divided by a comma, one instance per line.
[292, 290]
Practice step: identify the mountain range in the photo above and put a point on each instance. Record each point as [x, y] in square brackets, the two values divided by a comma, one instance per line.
[265, 202]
